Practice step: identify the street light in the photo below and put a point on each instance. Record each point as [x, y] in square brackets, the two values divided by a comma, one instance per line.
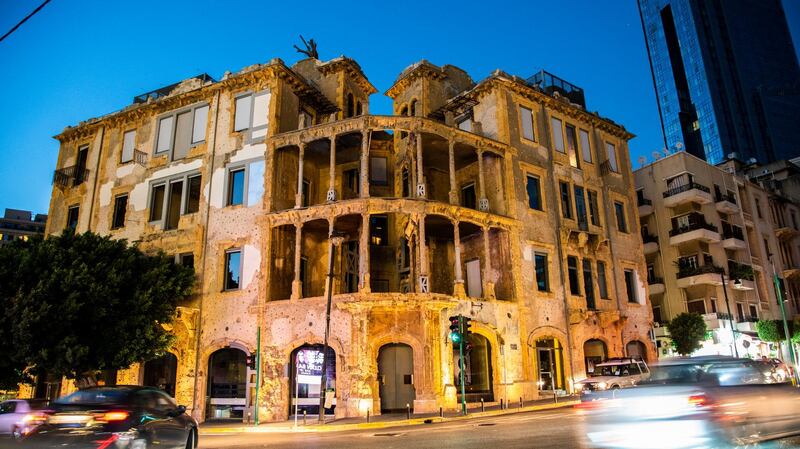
[335, 239]
[728, 306]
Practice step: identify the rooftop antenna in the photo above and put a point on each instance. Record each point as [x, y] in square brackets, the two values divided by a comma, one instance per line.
[656, 155]
[642, 161]
[311, 48]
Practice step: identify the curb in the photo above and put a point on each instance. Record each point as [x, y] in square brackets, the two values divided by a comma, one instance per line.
[377, 425]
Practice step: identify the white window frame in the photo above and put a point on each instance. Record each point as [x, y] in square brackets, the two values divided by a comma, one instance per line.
[560, 130]
[122, 157]
[586, 151]
[184, 178]
[225, 268]
[611, 155]
[173, 129]
[522, 117]
[250, 129]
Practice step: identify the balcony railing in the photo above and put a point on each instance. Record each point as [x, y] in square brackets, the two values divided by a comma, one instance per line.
[643, 202]
[140, 157]
[649, 238]
[686, 271]
[737, 270]
[725, 197]
[692, 226]
[721, 315]
[685, 188]
[72, 175]
[749, 319]
[606, 168]
[730, 231]
[654, 280]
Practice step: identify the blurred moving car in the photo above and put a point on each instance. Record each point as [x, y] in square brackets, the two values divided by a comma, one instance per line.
[120, 417]
[696, 402]
[612, 374]
[18, 417]
[782, 370]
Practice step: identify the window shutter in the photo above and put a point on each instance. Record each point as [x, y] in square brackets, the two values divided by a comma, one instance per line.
[200, 122]
[128, 142]
[242, 119]
[164, 134]
[183, 135]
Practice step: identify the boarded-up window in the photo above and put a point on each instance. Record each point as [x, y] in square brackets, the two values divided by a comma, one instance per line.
[586, 148]
[260, 114]
[474, 287]
[128, 145]
[526, 116]
[242, 119]
[377, 170]
[183, 135]
[165, 134]
[200, 122]
[558, 135]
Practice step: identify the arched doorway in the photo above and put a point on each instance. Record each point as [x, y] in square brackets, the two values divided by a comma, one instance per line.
[305, 374]
[594, 352]
[477, 369]
[227, 384]
[635, 349]
[396, 377]
[161, 373]
[550, 364]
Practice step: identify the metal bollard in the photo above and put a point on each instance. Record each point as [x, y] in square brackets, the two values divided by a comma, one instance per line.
[367, 415]
[408, 411]
[483, 406]
[441, 412]
[501, 405]
[520, 402]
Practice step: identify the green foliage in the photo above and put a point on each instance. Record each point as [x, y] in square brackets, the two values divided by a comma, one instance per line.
[770, 330]
[687, 331]
[77, 304]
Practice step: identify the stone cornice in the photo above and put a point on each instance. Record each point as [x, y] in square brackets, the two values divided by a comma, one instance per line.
[419, 70]
[352, 69]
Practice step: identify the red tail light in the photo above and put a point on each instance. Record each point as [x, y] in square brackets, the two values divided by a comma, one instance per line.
[591, 405]
[698, 400]
[104, 444]
[112, 416]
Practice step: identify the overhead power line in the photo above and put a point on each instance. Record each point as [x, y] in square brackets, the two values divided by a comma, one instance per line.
[24, 20]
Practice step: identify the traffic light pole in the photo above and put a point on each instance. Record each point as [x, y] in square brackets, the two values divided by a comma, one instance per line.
[461, 363]
[258, 370]
[779, 295]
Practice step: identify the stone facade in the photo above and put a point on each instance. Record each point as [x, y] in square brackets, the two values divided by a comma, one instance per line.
[443, 208]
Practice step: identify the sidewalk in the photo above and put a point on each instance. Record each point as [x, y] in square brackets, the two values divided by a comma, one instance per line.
[384, 421]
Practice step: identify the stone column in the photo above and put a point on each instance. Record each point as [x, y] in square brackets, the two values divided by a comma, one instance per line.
[297, 284]
[458, 284]
[364, 172]
[298, 197]
[363, 255]
[331, 196]
[483, 202]
[421, 192]
[452, 167]
[424, 285]
[488, 287]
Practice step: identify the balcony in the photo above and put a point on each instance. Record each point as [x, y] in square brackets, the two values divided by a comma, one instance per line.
[732, 237]
[748, 219]
[645, 207]
[785, 233]
[715, 320]
[741, 271]
[726, 203]
[689, 276]
[70, 176]
[691, 192]
[140, 157]
[690, 228]
[656, 285]
[748, 324]
[650, 244]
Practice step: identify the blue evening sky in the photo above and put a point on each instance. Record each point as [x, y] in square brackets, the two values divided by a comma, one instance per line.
[78, 59]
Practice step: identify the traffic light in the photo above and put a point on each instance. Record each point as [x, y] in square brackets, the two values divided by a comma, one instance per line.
[252, 359]
[455, 329]
[466, 323]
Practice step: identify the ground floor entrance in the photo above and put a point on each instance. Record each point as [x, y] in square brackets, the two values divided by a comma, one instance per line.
[305, 378]
[396, 377]
[477, 369]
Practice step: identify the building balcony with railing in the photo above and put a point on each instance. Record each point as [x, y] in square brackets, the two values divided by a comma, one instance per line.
[684, 190]
[691, 272]
[733, 236]
[70, 176]
[741, 276]
[656, 285]
[692, 227]
[650, 243]
[725, 201]
[645, 205]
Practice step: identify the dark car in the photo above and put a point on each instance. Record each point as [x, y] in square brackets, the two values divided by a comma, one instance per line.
[121, 417]
[696, 402]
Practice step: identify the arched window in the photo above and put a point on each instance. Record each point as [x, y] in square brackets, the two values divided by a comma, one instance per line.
[227, 383]
[404, 110]
[594, 352]
[350, 105]
[412, 110]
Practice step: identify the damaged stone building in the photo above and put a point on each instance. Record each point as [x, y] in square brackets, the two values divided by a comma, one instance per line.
[503, 200]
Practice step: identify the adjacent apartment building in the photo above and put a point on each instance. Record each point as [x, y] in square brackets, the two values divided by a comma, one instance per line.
[713, 240]
[20, 225]
[503, 200]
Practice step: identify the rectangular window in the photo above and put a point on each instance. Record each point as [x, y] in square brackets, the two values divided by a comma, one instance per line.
[572, 146]
[739, 311]
[753, 311]
[305, 194]
[200, 123]
[72, 217]
[611, 153]
[558, 135]
[165, 134]
[128, 145]
[566, 201]
[630, 286]
[174, 204]
[193, 195]
[379, 230]
[157, 202]
[758, 209]
[120, 208]
[243, 107]
[252, 112]
[534, 193]
[377, 171]
[619, 210]
[233, 269]
[542, 276]
[468, 198]
[594, 213]
[586, 148]
[187, 260]
[698, 306]
[588, 284]
[183, 135]
[235, 187]
[572, 269]
[580, 207]
[526, 117]
[465, 125]
[602, 286]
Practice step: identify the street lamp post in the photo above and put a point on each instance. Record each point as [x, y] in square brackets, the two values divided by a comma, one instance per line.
[730, 315]
[335, 239]
[779, 296]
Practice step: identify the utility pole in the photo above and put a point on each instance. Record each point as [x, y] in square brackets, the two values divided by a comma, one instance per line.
[258, 371]
[779, 295]
[730, 315]
[334, 239]
[461, 362]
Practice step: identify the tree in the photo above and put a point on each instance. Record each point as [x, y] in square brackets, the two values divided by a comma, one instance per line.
[770, 330]
[687, 331]
[78, 304]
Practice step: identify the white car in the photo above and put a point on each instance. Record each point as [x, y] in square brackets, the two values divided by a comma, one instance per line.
[614, 374]
[18, 417]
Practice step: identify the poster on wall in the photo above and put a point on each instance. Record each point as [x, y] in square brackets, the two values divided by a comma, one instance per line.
[309, 366]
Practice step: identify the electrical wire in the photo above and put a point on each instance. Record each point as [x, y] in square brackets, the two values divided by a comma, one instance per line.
[24, 20]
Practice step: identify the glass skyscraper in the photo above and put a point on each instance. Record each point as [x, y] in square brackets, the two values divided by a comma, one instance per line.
[726, 76]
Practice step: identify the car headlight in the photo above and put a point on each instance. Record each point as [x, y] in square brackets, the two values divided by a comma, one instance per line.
[602, 386]
[577, 386]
